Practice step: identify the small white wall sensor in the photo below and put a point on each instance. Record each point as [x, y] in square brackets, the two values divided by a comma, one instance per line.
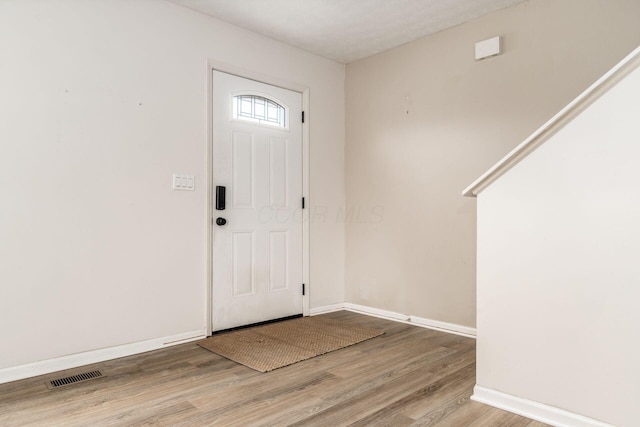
[488, 48]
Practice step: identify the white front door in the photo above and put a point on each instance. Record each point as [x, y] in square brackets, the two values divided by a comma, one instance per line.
[257, 237]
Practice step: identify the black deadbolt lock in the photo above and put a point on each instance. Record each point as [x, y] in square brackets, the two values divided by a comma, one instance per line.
[221, 192]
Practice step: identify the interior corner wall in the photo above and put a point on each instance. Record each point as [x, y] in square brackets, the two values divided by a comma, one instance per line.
[425, 119]
[100, 103]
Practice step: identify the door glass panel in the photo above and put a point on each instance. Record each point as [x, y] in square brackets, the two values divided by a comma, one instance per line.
[260, 110]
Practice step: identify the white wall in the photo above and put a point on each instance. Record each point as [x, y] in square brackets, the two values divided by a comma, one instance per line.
[425, 119]
[100, 102]
[558, 270]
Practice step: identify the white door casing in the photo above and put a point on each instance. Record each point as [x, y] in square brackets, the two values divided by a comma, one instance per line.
[257, 255]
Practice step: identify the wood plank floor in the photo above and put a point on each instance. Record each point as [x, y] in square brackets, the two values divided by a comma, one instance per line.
[408, 377]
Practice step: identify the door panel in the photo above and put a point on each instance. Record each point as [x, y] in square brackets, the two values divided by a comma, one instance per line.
[278, 260]
[243, 264]
[257, 254]
[242, 165]
[278, 172]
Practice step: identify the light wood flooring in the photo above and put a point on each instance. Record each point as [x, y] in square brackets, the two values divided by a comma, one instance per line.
[409, 376]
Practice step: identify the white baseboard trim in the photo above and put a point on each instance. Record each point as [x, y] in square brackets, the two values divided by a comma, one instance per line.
[465, 331]
[326, 309]
[80, 359]
[437, 325]
[534, 410]
[377, 312]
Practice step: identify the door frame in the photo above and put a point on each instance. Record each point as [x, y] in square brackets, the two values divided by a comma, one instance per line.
[273, 81]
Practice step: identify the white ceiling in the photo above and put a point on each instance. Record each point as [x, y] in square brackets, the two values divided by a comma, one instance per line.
[346, 30]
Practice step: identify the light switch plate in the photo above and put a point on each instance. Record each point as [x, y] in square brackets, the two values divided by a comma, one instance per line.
[184, 182]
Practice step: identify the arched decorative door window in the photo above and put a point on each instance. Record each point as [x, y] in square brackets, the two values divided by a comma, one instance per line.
[260, 110]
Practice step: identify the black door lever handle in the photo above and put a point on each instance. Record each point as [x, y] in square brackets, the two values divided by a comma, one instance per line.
[221, 221]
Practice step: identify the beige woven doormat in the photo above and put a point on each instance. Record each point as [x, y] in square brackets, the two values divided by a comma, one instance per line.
[268, 347]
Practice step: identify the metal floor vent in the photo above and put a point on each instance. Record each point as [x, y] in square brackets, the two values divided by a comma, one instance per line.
[73, 379]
